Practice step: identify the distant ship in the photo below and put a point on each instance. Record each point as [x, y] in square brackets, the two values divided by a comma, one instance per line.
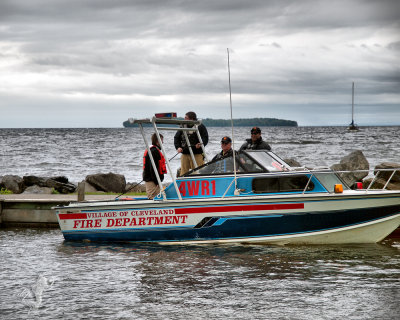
[128, 123]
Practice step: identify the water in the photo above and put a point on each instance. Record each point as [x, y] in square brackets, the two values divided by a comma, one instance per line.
[88, 281]
[75, 153]
[43, 277]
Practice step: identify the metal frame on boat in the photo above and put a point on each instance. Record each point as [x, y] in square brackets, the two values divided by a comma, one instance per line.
[252, 197]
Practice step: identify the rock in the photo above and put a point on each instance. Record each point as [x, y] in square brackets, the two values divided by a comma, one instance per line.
[393, 186]
[59, 183]
[292, 162]
[62, 179]
[136, 187]
[13, 183]
[107, 182]
[89, 187]
[61, 187]
[380, 183]
[33, 180]
[38, 190]
[386, 174]
[354, 161]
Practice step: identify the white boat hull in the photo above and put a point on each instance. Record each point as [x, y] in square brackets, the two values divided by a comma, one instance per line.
[353, 217]
[370, 232]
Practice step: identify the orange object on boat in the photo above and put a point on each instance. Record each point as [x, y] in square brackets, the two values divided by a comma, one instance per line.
[338, 188]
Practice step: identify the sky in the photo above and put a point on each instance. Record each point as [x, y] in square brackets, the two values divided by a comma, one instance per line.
[96, 63]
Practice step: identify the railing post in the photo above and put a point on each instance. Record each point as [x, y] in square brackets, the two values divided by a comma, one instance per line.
[308, 182]
[373, 180]
[387, 182]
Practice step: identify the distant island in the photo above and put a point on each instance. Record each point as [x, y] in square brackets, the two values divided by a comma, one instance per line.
[251, 122]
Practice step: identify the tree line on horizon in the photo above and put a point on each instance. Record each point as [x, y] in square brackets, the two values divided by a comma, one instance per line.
[249, 122]
[252, 122]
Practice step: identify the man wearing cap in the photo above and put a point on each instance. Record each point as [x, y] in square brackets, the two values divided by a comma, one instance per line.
[255, 142]
[226, 146]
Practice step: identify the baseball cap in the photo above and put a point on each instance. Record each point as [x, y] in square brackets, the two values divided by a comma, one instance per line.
[255, 130]
[226, 140]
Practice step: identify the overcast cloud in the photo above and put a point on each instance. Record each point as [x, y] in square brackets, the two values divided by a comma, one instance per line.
[95, 63]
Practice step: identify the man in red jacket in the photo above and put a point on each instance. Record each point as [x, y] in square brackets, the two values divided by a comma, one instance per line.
[149, 176]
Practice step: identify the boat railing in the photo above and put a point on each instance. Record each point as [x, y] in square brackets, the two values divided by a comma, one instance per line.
[308, 183]
[173, 124]
[312, 173]
[369, 171]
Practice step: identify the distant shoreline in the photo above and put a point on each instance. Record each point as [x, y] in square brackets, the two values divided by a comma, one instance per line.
[118, 127]
[250, 122]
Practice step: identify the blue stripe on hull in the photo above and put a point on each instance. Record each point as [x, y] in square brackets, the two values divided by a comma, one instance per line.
[244, 226]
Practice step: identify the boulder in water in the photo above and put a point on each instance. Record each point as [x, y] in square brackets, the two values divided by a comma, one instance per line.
[35, 189]
[107, 182]
[13, 183]
[60, 186]
[386, 174]
[353, 161]
[380, 183]
[59, 183]
[292, 162]
[134, 187]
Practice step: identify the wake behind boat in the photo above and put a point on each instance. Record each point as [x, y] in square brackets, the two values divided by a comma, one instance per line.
[253, 197]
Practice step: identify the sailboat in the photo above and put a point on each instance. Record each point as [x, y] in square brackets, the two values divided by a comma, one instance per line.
[352, 125]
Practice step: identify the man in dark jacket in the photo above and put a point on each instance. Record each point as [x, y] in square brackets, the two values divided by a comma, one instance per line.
[149, 176]
[226, 146]
[182, 147]
[255, 142]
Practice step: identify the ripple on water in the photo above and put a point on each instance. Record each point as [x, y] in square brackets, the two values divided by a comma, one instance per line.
[84, 280]
[120, 150]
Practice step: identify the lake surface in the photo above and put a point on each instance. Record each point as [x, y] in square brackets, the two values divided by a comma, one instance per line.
[44, 277]
[75, 153]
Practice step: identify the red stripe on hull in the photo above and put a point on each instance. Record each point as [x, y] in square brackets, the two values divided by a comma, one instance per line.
[251, 207]
[68, 216]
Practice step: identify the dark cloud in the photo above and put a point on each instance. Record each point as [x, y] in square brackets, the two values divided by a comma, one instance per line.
[168, 17]
[174, 51]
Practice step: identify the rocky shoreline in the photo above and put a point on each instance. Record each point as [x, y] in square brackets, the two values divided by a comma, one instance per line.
[96, 183]
[116, 183]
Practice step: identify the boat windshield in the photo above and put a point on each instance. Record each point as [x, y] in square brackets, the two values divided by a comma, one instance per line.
[220, 166]
[268, 160]
[246, 162]
[329, 179]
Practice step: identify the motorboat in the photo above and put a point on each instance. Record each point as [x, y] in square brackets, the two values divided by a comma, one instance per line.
[251, 197]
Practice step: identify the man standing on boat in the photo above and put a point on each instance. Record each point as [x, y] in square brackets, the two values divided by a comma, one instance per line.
[226, 146]
[149, 176]
[255, 142]
[181, 145]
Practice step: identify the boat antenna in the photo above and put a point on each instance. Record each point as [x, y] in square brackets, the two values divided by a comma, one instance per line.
[233, 138]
